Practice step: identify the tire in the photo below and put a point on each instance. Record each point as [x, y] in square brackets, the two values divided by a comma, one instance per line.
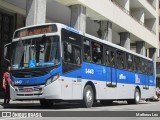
[106, 102]
[88, 97]
[136, 99]
[46, 103]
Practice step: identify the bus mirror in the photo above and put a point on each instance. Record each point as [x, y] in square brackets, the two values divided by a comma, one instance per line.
[7, 48]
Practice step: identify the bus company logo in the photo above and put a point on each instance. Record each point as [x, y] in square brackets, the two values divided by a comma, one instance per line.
[122, 77]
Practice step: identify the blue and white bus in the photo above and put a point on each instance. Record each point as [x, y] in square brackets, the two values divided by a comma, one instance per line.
[54, 62]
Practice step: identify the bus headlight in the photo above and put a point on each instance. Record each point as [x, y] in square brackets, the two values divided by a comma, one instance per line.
[52, 79]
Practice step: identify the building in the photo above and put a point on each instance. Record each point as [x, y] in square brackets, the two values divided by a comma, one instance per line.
[132, 24]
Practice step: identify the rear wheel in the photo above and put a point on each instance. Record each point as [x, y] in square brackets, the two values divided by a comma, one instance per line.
[136, 99]
[46, 103]
[88, 96]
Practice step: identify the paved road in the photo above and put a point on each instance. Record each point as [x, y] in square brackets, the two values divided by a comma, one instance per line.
[116, 106]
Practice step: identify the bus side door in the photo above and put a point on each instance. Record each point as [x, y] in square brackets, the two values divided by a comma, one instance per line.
[110, 62]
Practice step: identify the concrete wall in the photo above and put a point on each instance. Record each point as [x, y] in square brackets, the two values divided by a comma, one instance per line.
[119, 17]
[116, 37]
[138, 14]
[151, 24]
[124, 3]
[113, 14]
[152, 2]
[92, 27]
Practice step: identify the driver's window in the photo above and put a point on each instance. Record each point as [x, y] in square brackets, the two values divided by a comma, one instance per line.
[66, 52]
[72, 53]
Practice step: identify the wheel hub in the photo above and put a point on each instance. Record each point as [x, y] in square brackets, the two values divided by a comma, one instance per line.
[137, 96]
[89, 96]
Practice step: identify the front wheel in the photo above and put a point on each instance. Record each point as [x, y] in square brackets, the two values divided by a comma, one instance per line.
[46, 103]
[88, 97]
[136, 99]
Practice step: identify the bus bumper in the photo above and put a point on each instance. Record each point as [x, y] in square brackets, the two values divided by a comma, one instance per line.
[51, 91]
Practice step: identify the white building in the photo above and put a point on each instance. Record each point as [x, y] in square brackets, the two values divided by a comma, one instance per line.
[132, 24]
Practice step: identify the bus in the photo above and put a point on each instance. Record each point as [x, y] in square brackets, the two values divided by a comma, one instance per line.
[53, 62]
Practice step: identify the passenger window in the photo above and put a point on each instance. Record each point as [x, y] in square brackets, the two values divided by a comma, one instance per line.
[120, 60]
[87, 55]
[97, 50]
[150, 68]
[144, 66]
[137, 64]
[65, 50]
[107, 53]
[112, 58]
[130, 65]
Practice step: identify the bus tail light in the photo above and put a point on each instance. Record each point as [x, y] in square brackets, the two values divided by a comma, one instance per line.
[52, 79]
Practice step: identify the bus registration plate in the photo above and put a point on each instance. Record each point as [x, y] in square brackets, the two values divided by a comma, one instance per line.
[28, 89]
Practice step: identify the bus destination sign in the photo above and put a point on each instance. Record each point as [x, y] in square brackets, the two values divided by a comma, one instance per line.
[35, 31]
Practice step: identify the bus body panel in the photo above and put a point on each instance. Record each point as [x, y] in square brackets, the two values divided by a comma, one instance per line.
[70, 85]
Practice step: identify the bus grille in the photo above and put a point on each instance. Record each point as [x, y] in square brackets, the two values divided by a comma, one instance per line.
[36, 94]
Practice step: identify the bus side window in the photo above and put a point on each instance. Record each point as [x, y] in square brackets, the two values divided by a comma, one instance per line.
[72, 53]
[76, 55]
[137, 64]
[107, 54]
[87, 56]
[66, 53]
[130, 66]
[150, 68]
[112, 58]
[120, 60]
[144, 66]
[97, 50]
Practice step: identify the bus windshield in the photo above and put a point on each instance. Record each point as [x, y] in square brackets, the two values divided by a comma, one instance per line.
[36, 52]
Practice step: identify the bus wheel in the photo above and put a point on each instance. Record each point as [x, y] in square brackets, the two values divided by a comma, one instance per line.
[88, 97]
[136, 99]
[106, 102]
[46, 103]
